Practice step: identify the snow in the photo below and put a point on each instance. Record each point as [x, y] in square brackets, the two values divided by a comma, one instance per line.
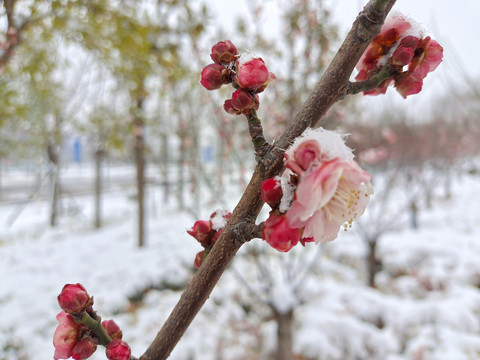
[426, 304]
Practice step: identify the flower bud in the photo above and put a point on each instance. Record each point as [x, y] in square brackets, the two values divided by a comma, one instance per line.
[229, 108]
[272, 192]
[216, 236]
[278, 233]
[251, 75]
[202, 231]
[224, 52]
[84, 348]
[244, 102]
[74, 299]
[199, 259]
[118, 350]
[212, 76]
[112, 329]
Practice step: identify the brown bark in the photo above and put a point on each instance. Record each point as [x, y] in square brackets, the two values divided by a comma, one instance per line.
[284, 335]
[328, 91]
[372, 264]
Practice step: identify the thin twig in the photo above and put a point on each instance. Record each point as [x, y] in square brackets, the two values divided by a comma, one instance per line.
[256, 133]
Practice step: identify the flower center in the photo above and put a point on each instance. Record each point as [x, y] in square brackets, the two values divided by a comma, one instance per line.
[343, 207]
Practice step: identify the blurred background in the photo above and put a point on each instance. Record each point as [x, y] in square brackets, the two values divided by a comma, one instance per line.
[110, 149]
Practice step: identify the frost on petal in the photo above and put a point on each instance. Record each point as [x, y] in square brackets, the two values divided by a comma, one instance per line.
[331, 144]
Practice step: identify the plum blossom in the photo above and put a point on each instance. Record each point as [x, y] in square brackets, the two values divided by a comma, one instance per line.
[401, 48]
[333, 194]
[323, 188]
[66, 336]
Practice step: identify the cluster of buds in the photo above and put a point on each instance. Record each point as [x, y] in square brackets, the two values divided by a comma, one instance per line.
[206, 232]
[80, 330]
[321, 190]
[247, 74]
[400, 49]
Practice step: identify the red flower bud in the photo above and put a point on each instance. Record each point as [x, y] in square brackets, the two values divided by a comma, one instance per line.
[272, 192]
[212, 76]
[118, 350]
[224, 52]
[112, 329]
[202, 231]
[252, 75]
[84, 348]
[199, 259]
[74, 299]
[217, 235]
[278, 233]
[243, 102]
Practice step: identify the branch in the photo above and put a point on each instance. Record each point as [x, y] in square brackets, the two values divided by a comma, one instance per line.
[375, 81]
[256, 133]
[364, 29]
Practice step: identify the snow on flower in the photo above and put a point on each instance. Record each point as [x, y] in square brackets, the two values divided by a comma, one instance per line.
[323, 190]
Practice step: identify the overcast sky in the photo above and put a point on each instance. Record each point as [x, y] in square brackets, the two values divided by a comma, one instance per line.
[454, 24]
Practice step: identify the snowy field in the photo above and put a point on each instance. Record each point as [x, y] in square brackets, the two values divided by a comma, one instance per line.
[426, 306]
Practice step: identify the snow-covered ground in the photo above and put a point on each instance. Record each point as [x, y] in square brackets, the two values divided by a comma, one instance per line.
[427, 305]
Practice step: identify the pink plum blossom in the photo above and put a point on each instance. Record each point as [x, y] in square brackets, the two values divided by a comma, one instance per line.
[331, 195]
[323, 189]
[428, 55]
[67, 334]
[393, 29]
[398, 45]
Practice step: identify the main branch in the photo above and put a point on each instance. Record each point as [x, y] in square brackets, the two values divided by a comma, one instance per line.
[364, 29]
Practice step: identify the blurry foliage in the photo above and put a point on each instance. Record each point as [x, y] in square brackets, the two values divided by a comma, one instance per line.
[141, 44]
